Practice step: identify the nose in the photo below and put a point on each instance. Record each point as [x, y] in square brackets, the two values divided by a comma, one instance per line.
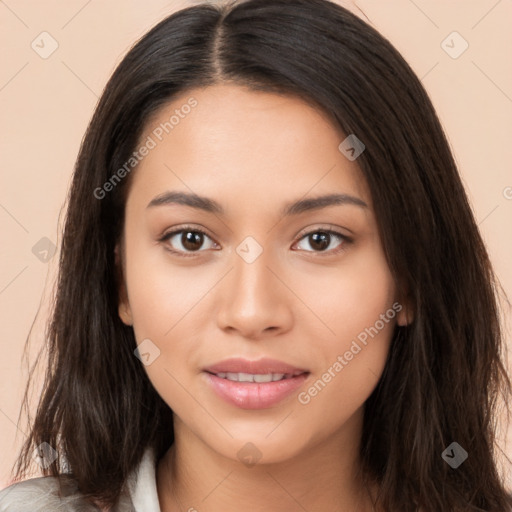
[253, 300]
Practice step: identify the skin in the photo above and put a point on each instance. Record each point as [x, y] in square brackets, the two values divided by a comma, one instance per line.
[253, 152]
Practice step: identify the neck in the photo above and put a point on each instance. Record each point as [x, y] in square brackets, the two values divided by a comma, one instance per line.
[193, 477]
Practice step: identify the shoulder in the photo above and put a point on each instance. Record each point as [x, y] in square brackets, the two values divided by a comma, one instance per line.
[51, 494]
[43, 494]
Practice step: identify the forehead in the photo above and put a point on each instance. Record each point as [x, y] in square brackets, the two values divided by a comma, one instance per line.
[258, 146]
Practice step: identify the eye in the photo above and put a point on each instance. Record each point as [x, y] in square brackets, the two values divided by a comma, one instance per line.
[321, 240]
[187, 239]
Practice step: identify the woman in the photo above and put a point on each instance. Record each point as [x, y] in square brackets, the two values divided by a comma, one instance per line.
[271, 280]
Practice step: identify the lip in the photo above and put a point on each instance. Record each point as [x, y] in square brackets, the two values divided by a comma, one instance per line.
[261, 366]
[254, 395]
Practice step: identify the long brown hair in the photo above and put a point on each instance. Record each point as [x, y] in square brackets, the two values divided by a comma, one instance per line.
[445, 374]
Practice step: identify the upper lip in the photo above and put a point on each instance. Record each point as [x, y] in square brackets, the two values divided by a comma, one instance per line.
[261, 366]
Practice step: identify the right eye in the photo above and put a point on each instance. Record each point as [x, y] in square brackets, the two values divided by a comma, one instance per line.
[190, 239]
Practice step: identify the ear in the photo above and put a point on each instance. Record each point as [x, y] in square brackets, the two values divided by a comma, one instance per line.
[405, 314]
[124, 310]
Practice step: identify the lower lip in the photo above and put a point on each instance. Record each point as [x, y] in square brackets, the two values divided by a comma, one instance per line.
[254, 395]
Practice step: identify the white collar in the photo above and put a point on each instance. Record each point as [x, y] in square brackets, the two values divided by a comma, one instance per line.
[142, 484]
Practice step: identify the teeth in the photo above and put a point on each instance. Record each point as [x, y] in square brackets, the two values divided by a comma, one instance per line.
[249, 377]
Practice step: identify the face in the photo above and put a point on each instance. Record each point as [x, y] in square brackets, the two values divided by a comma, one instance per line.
[307, 285]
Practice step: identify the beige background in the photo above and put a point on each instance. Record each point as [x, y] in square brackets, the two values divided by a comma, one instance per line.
[46, 104]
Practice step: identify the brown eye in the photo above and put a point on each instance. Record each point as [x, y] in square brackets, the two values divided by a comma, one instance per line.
[322, 240]
[185, 240]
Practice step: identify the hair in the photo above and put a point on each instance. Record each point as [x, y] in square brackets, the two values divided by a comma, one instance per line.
[445, 372]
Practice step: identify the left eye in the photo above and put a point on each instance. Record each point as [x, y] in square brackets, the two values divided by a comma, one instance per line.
[321, 240]
[192, 239]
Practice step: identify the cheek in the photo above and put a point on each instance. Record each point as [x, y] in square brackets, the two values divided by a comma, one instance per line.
[160, 294]
[352, 366]
[359, 314]
[349, 298]
[164, 300]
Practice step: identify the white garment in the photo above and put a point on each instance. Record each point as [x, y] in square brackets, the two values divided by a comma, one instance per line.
[142, 485]
[41, 494]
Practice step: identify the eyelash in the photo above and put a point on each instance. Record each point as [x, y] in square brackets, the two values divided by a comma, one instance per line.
[345, 240]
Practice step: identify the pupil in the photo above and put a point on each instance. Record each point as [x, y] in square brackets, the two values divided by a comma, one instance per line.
[189, 238]
[321, 239]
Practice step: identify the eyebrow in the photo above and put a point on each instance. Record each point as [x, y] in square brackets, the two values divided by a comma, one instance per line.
[293, 208]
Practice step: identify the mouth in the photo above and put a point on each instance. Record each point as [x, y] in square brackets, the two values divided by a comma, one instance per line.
[254, 384]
